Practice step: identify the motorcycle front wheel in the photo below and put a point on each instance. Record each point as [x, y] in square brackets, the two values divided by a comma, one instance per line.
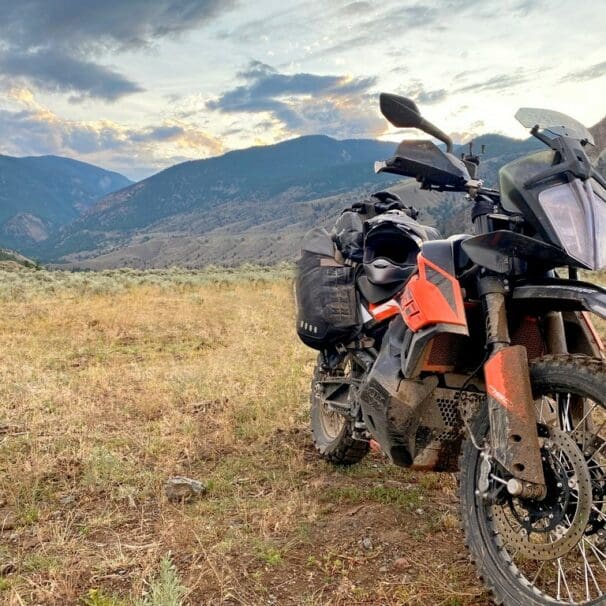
[551, 551]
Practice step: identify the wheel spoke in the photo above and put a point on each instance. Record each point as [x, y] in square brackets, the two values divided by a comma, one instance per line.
[557, 545]
[563, 576]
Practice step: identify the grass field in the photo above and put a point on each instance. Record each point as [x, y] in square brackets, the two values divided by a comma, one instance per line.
[110, 383]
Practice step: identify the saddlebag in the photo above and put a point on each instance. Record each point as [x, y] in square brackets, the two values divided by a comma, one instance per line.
[327, 305]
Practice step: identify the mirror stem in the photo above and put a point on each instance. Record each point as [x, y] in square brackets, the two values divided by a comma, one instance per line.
[434, 131]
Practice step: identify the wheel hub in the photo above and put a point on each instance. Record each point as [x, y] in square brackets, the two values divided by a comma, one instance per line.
[550, 528]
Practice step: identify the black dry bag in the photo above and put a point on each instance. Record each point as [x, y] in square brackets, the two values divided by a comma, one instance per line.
[327, 305]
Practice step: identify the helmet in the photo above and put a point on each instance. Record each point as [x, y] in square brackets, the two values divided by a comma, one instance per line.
[391, 245]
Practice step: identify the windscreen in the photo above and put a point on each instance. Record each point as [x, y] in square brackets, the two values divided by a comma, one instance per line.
[554, 122]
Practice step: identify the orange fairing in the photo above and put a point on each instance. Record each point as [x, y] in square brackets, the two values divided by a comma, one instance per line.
[432, 296]
[383, 311]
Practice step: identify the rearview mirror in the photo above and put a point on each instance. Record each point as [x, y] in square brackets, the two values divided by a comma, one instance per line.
[404, 113]
[400, 111]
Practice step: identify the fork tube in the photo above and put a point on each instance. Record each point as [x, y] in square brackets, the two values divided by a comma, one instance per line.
[513, 431]
[492, 291]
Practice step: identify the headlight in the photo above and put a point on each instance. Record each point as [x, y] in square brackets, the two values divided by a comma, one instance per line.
[577, 213]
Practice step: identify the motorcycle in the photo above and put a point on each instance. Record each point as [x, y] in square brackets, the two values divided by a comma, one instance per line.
[484, 360]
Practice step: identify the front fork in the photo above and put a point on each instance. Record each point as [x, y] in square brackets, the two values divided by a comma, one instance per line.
[514, 441]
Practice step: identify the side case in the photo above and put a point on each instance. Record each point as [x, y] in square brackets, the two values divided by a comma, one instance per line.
[327, 304]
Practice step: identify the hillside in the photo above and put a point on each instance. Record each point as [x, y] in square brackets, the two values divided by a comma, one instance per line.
[9, 259]
[38, 195]
[244, 188]
[251, 204]
[599, 134]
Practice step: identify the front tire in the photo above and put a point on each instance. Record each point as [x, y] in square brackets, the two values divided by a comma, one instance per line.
[496, 532]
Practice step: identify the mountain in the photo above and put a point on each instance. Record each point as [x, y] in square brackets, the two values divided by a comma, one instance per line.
[252, 205]
[237, 191]
[599, 134]
[11, 260]
[38, 195]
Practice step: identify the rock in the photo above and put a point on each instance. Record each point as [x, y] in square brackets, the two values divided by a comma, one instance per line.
[401, 564]
[8, 520]
[366, 544]
[183, 489]
[419, 512]
[67, 499]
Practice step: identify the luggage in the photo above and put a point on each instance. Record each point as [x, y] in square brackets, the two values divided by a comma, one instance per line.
[349, 228]
[327, 304]
[328, 311]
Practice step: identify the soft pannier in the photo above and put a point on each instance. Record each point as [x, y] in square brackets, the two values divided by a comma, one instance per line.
[327, 305]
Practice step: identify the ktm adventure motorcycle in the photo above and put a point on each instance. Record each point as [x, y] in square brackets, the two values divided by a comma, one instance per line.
[483, 360]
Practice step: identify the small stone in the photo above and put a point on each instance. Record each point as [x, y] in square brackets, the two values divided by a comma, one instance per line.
[419, 511]
[67, 499]
[6, 569]
[367, 544]
[401, 564]
[183, 489]
[8, 520]
[383, 569]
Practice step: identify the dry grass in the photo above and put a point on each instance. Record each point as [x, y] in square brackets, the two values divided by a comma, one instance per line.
[111, 383]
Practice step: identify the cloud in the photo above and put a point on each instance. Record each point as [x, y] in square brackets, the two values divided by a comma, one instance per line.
[54, 71]
[500, 82]
[28, 128]
[355, 8]
[589, 73]
[55, 46]
[303, 103]
[417, 92]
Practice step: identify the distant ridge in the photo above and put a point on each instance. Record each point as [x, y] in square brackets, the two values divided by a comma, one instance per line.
[238, 191]
[599, 134]
[40, 194]
[250, 205]
[247, 205]
[9, 259]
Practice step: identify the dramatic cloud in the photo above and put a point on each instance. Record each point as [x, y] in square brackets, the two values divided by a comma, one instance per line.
[31, 129]
[590, 73]
[50, 70]
[303, 103]
[159, 81]
[55, 45]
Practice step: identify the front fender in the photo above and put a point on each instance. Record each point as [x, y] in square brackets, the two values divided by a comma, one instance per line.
[562, 295]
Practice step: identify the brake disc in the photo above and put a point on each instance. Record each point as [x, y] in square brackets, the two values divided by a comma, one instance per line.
[549, 529]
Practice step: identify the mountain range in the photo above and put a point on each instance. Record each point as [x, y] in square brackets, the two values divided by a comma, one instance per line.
[252, 204]
[39, 195]
[247, 205]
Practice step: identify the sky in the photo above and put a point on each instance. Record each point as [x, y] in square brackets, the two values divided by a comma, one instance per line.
[138, 85]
